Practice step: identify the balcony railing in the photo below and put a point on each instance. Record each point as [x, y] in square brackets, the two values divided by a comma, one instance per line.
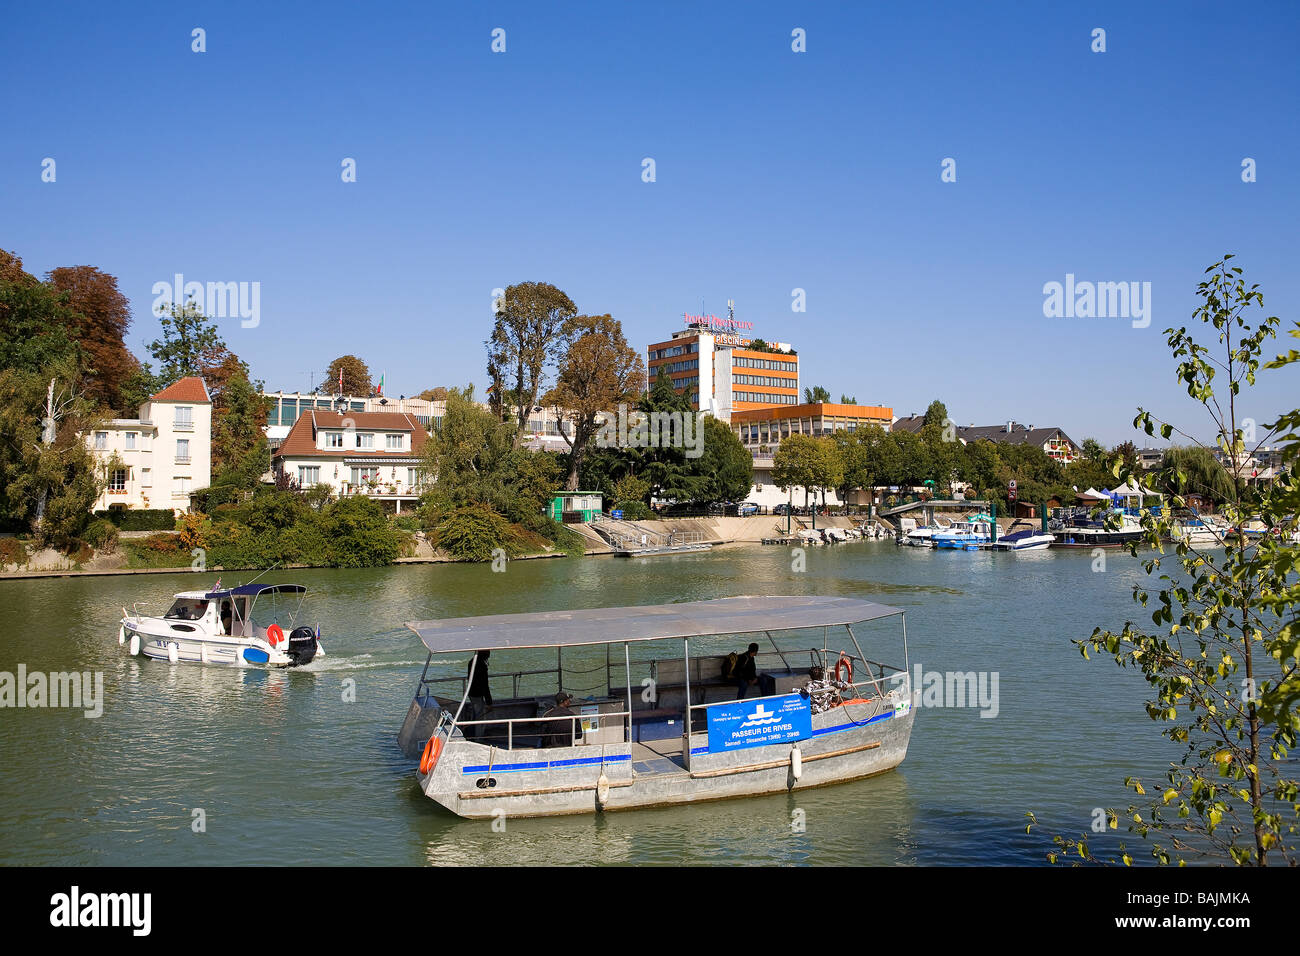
[182, 459]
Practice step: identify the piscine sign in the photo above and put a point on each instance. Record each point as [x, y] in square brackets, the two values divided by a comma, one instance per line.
[715, 322]
[770, 720]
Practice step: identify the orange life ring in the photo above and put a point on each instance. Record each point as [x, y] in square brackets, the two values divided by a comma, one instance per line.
[432, 751]
[841, 666]
[274, 635]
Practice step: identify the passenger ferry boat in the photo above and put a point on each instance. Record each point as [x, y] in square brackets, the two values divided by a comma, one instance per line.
[244, 626]
[661, 723]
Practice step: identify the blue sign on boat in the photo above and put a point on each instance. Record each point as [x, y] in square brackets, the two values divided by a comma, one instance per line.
[772, 720]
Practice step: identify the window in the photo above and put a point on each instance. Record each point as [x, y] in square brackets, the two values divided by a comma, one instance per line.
[146, 477]
[130, 441]
[180, 487]
[396, 441]
[117, 481]
[365, 440]
[184, 420]
[414, 478]
[333, 439]
[182, 450]
[101, 441]
[308, 475]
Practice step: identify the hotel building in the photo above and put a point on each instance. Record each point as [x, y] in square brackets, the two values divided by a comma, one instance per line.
[714, 366]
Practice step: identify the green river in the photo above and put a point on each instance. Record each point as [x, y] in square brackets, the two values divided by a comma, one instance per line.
[284, 768]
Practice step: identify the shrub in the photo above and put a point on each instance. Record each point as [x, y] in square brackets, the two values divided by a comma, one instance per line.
[140, 519]
[635, 511]
[161, 543]
[473, 533]
[102, 535]
[360, 534]
[80, 552]
[12, 551]
[194, 531]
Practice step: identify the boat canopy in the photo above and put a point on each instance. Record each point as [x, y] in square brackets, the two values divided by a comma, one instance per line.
[245, 590]
[654, 622]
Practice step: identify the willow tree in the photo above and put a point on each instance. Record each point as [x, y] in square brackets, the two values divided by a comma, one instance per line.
[598, 371]
[1222, 658]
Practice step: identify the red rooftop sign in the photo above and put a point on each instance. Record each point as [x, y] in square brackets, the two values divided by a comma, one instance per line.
[713, 322]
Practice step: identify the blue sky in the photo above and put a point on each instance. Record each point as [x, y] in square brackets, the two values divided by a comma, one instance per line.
[775, 170]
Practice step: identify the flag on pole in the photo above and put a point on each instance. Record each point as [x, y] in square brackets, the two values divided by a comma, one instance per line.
[381, 384]
[340, 379]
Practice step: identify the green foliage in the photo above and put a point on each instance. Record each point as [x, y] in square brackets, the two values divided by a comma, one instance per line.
[936, 414]
[140, 519]
[189, 344]
[360, 534]
[725, 465]
[34, 323]
[101, 535]
[472, 532]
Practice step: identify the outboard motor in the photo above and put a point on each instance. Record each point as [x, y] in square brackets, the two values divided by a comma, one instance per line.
[302, 646]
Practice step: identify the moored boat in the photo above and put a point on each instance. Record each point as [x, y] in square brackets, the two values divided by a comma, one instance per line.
[968, 535]
[663, 724]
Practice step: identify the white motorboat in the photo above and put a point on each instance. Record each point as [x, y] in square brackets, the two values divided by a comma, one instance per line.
[250, 625]
[969, 535]
[922, 536]
[1027, 540]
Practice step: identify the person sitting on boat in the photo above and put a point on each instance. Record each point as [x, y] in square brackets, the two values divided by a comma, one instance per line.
[747, 675]
[824, 693]
[560, 732]
[480, 694]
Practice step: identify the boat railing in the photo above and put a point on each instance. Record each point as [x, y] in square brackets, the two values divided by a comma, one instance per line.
[573, 719]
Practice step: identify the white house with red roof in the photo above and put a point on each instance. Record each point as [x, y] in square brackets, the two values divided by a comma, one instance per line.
[159, 459]
[377, 454]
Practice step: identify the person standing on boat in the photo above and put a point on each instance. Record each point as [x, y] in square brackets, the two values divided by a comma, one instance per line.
[560, 732]
[747, 675]
[821, 692]
[480, 694]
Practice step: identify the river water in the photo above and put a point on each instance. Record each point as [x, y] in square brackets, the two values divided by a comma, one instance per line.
[282, 768]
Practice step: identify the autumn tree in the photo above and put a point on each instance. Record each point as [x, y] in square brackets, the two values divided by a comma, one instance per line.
[356, 376]
[437, 394]
[597, 372]
[525, 338]
[103, 317]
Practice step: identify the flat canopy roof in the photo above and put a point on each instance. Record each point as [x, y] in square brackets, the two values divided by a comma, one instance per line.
[254, 589]
[654, 622]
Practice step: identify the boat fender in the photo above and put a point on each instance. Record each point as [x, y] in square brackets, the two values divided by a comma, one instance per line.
[602, 790]
[173, 652]
[121, 635]
[135, 645]
[842, 667]
[796, 762]
[274, 635]
[432, 751]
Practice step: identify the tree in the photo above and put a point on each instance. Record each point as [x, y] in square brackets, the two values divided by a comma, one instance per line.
[34, 326]
[103, 318]
[816, 394]
[240, 455]
[1193, 470]
[49, 478]
[466, 455]
[671, 475]
[846, 400]
[936, 414]
[797, 464]
[726, 466]
[598, 371]
[1223, 663]
[356, 376]
[11, 269]
[525, 338]
[438, 394]
[190, 344]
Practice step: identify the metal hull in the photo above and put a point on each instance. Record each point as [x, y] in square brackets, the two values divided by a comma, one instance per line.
[479, 782]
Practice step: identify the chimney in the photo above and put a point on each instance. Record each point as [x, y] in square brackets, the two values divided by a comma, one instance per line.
[1009, 424]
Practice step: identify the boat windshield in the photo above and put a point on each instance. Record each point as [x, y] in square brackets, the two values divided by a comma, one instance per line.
[187, 609]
